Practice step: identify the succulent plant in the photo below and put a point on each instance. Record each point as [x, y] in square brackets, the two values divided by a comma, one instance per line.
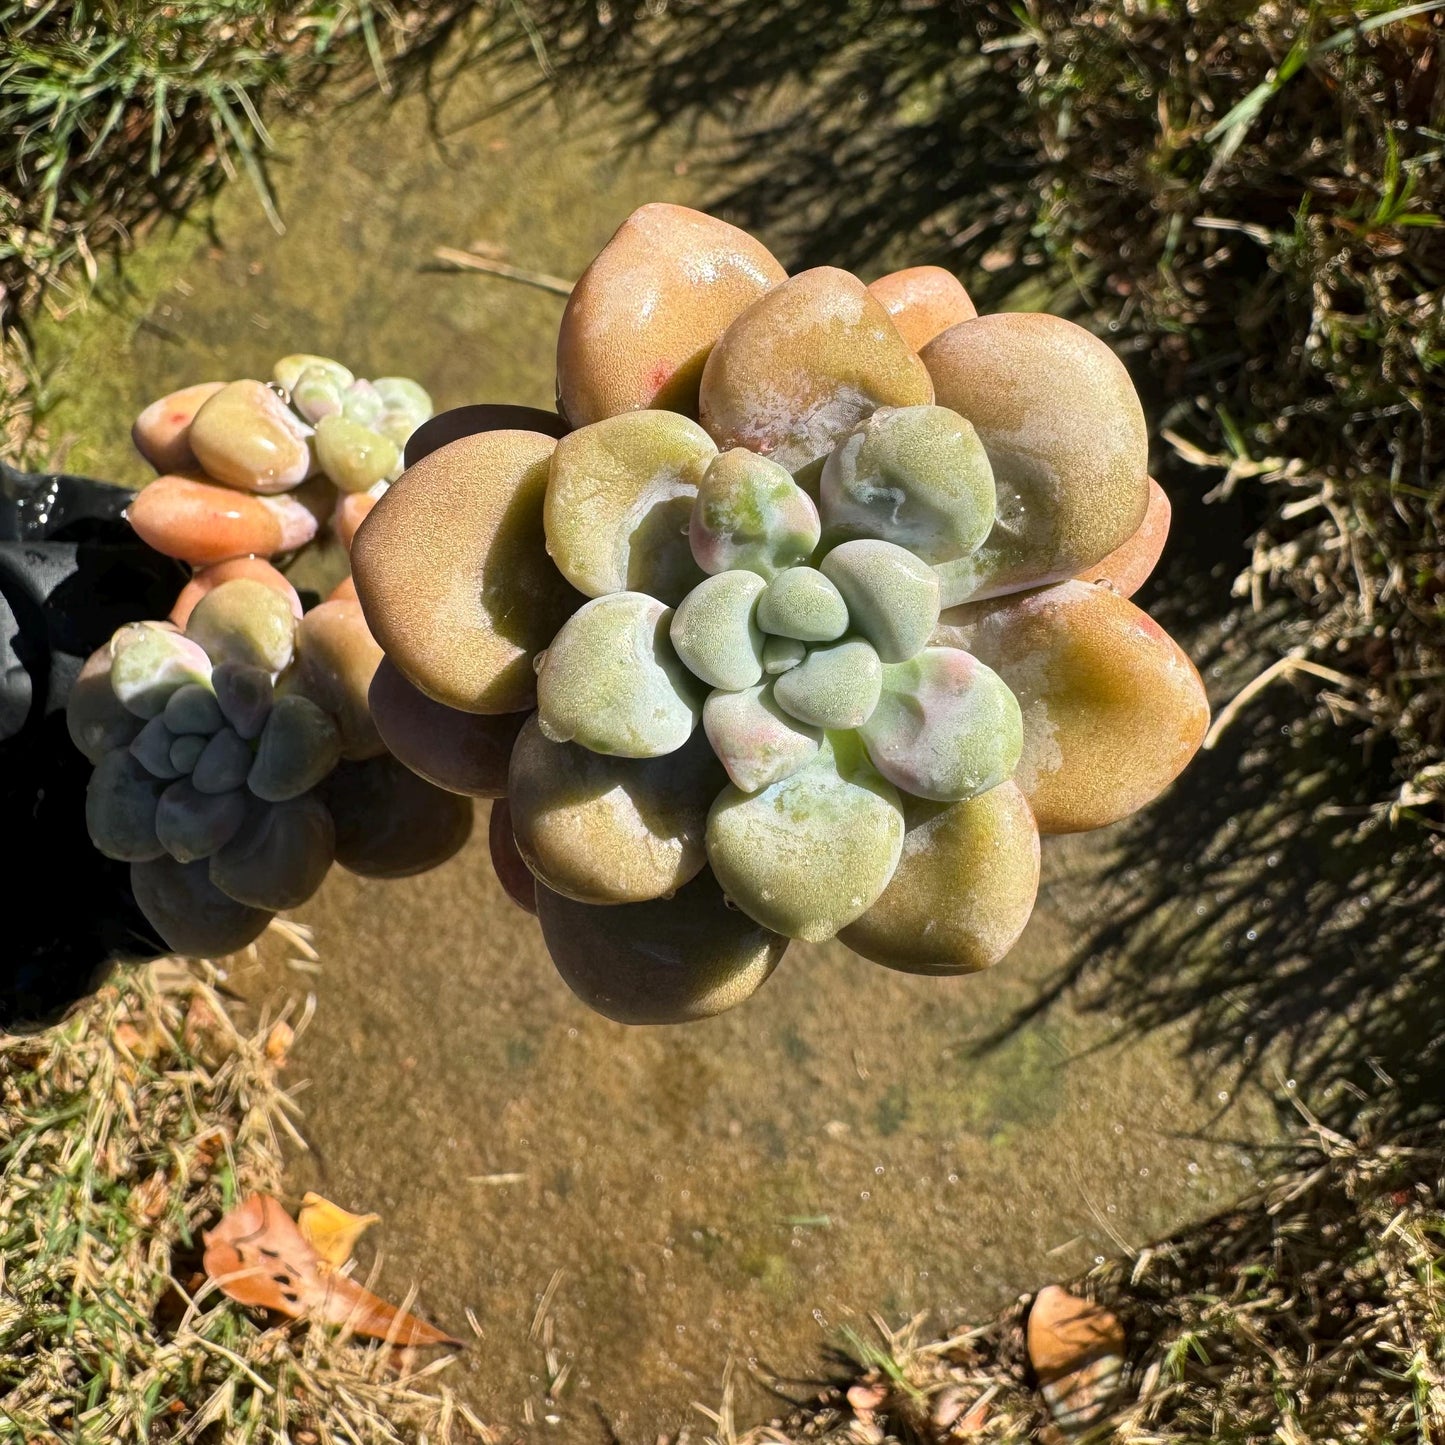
[216, 745]
[809, 625]
[252, 469]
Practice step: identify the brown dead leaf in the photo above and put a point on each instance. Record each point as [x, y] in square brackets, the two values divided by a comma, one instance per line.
[330, 1230]
[257, 1256]
[152, 1196]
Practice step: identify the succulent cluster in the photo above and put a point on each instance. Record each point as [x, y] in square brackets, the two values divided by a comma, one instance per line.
[800, 641]
[234, 749]
[250, 469]
[810, 623]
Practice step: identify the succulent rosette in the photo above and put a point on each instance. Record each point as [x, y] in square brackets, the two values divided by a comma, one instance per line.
[255, 469]
[805, 621]
[235, 760]
[235, 755]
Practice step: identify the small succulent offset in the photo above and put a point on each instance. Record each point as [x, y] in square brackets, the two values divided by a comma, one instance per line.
[809, 626]
[236, 759]
[248, 468]
[234, 750]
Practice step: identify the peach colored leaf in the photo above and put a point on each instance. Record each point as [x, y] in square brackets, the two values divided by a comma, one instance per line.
[257, 1256]
[330, 1230]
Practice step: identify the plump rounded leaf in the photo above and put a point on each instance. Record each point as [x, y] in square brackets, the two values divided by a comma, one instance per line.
[809, 854]
[362, 403]
[245, 695]
[914, 475]
[946, 726]
[316, 393]
[336, 658]
[605, 829]
[400, 395]
[463, 752]
[803, 365]
[803, 604]
[95, 717]
[225, 764]
[835, 686]
[192, 916]
[280, 856]
[1065, 435]
[1128, 567]
[750, 513]
[162, 432]
[612, 681]
[781, 653]
[962, 891]
[245, 621]
[619, 496]
[149, 662]
[193, 709]
[191, 824]
[1112, 708]
[186, 752]
[390, 823]
[287, 371]
[354, 456]
[754, 739]
[351, 510]
[247, 437]
[207, 579]
[892, 597]
[669, 961]
[202, 524]
[517, 880]
[643, 317]
[715, 631]
[151, 748]
[299, 745]
[923, 301]
[452, 571]
[120, 808]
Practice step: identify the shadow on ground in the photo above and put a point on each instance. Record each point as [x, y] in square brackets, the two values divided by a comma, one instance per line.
[1262, 903]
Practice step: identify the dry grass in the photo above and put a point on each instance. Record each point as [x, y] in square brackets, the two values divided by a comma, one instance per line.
[1312, 1311]
[124, 1133]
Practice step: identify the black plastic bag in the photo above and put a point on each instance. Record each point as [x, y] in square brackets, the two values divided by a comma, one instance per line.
[71, 572]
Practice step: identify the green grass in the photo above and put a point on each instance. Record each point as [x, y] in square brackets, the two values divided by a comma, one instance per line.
[116, 112]
[124, 1133]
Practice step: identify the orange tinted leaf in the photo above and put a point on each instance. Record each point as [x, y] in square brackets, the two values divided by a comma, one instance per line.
[346, 1303]
[330, 1230]
[256, 1255]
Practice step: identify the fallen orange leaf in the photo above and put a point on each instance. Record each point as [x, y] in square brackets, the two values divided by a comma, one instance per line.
[330, 1230]
[257, 1256]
